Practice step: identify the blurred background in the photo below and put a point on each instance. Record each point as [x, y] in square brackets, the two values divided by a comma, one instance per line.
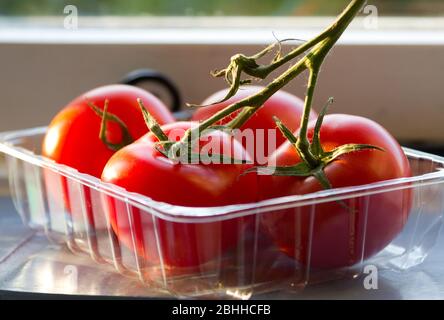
[216, 7]
[387, 66]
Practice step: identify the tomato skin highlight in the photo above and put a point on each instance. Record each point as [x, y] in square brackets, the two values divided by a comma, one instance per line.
[287, 107]
[73, 135]
[141, 168]
[333, 234]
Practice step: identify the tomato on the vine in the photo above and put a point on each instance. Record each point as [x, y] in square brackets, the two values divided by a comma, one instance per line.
[73, 135]
[142, 168]
[285, 106]
[340, 233]
[73, 139]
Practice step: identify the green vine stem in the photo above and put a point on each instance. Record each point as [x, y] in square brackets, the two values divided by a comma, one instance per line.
[314, 158]
[320, 46]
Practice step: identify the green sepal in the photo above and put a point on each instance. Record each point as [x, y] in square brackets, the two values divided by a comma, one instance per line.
[151, 123]
[163, 147]
[299, 170]
[345, 149]
[319, 174]
[315, 146]
[106, 116]
[285, 131]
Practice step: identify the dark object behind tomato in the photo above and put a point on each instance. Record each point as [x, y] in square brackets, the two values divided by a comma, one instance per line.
[341, 233]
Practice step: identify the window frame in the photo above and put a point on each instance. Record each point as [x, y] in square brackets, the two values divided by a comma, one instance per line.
[402, 57]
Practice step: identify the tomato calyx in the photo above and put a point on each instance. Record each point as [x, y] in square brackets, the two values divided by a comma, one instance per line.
[319, 158]
[182, 151]
[164, 144]
[107, 116]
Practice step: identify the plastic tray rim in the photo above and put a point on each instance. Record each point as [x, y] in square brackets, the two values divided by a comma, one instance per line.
[203, 214]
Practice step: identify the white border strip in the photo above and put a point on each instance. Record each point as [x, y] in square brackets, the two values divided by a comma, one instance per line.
[208, 36]
[215, 30]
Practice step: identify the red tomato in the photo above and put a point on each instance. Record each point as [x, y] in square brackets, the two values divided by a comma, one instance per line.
[73, 135]
[287, 107]
[73, 139]
[141, 168]
[334, 234]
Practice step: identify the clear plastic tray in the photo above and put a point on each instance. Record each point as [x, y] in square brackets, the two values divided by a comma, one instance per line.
[74, 208]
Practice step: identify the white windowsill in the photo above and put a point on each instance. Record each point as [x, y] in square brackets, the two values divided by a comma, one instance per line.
[217, 30]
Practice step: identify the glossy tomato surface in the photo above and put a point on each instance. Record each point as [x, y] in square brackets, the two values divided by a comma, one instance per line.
[141, 168]
[73, 135]
[287, 107]
[340, 233]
